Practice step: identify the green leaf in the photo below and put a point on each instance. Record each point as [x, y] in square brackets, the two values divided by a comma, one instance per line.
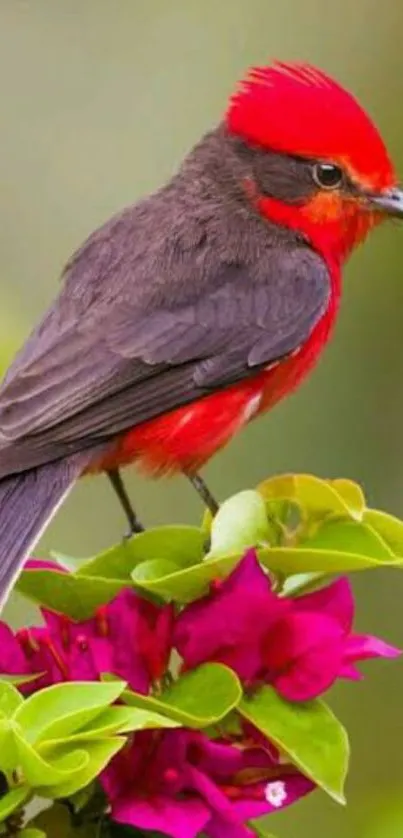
[13, 800]
[98, 754]
[184, 546]
[313, 558]
[308, 733]
[300, 583]
[198, 699]
[60, 710]
[350, 537]
[70, 563]
[124, 719]
[313, 495]
[283, 516]
[75, 595]
[16, 680]
[154, 569]
[116, 562]
[352, 495]
[185, 585]
[38, 772]
[10, 699]
[8, 750]
[388, 527]
[113, 720]
[240, 522]
[31, 832]
[338, 546]
[130, 719]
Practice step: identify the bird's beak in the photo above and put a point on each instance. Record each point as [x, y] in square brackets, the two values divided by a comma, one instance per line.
[389, 202]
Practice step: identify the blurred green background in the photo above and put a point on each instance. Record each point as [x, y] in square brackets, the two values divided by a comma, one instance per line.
[99, 101]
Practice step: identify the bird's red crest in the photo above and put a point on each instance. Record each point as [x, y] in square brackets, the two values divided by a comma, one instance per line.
[298, 109]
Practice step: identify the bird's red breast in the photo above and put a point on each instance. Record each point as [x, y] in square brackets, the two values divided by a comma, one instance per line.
[186, 438]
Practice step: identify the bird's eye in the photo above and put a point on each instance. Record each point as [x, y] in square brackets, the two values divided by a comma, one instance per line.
[327, 176]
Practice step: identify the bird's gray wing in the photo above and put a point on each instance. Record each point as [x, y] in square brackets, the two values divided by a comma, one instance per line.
[86, 377]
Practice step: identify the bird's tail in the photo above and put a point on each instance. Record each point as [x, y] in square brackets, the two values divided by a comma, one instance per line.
[28, 502]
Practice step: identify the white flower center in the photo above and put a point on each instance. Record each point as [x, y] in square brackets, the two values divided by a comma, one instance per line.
[275, 793]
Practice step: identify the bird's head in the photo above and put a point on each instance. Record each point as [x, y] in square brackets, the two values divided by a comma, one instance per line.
[320, 164]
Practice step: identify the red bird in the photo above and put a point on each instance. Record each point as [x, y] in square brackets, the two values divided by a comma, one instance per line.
[199, 307]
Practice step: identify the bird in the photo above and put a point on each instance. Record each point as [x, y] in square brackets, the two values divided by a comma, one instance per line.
[196, 309]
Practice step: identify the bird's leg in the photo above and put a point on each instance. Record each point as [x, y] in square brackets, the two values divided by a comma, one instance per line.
[120, 489]
[204, 492]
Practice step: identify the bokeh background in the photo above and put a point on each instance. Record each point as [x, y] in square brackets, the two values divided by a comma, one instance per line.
[99, 101]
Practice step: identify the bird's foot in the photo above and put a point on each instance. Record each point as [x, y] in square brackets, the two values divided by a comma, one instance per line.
[135, 526]
[204, 492]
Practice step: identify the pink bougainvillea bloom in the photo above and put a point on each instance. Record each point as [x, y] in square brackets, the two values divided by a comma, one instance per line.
[129, 637]
[230, 623]
[305, 653]
[182, 783]
[300, 645]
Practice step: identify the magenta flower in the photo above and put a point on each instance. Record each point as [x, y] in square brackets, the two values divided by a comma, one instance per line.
[300, 645]
[229, 625]
[181, 783]
[129, 637]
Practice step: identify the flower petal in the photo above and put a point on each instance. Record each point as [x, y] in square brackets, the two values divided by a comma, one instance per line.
[12, 658]
[218, 759]
[177, 818]
[210, 792]
[350, 672]
[282, 792]
[364, 646]
[335, 600]
[218, 828]
[155, 636]
[231, 619]
[43, 564]
[278, 794]
[303, 655]
[124, 631]
[48, 657]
